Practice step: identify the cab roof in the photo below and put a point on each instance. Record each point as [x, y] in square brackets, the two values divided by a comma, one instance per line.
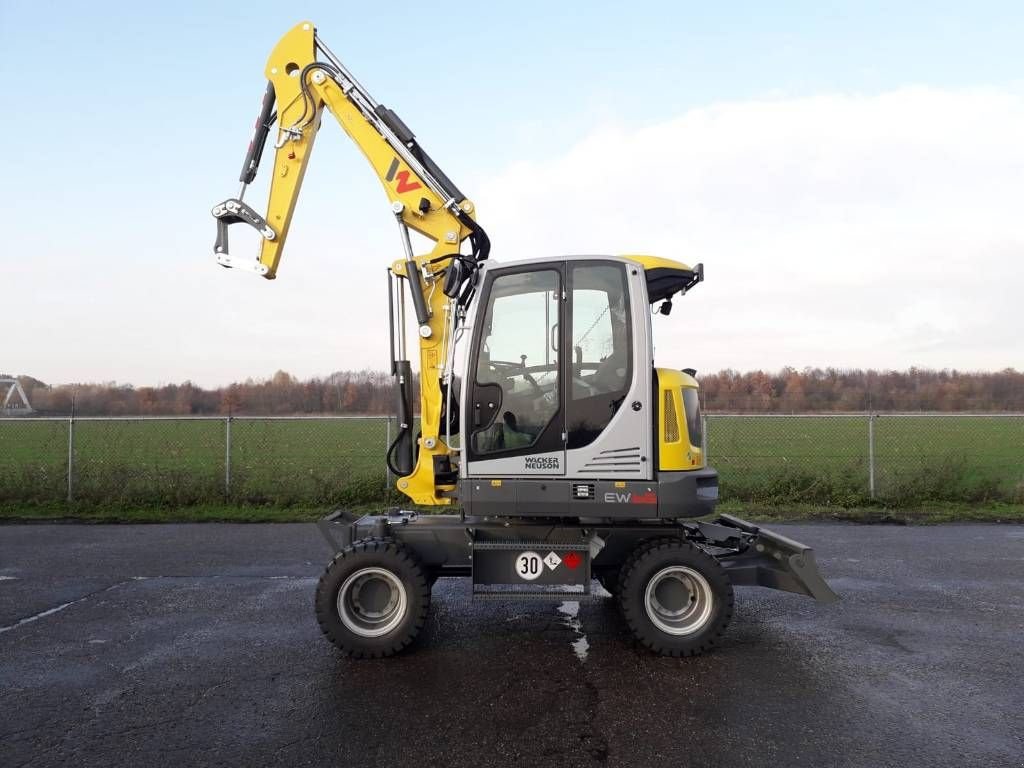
[666, 277]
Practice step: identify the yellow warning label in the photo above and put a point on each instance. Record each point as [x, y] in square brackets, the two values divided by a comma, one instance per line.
[496, 483]
[620, 484]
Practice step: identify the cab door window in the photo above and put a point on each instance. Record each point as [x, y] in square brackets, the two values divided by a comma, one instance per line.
[517, 385]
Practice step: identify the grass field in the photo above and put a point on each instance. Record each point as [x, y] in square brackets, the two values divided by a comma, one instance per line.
[311, 464]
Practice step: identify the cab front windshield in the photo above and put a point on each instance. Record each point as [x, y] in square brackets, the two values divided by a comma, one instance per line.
[519, 353]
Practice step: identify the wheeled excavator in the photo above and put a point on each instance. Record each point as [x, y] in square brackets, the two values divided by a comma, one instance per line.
[559, 452]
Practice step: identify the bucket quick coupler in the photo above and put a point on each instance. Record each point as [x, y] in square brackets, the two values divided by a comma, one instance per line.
[234, 211]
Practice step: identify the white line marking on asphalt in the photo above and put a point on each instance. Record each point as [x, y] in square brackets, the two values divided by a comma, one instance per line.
[58, 609]
[48, 612]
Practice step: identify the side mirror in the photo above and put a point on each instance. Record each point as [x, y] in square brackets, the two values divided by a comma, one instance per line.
[453, 278]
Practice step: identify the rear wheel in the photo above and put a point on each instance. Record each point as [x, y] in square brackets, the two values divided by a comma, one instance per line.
[373, 598]
[675, 598]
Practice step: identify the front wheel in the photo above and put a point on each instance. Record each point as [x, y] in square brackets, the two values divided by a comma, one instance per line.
[373, 598]
[676, 599]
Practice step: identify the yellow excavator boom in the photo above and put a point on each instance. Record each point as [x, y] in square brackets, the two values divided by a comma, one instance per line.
[304, 79]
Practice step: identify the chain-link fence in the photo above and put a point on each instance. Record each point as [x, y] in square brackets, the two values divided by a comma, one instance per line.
[850, 459]
[841, 459]
[180, 460]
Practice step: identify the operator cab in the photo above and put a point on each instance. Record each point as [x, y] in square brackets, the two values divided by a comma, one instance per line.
[560, 375]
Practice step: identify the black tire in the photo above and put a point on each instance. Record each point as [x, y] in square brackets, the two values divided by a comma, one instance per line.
[676, 598]
[397, 597]
[627, 564]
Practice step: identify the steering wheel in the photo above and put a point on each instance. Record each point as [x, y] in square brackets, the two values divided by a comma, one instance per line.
[518, 368]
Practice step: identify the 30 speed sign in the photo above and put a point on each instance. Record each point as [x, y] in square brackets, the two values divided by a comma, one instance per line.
[529, 566]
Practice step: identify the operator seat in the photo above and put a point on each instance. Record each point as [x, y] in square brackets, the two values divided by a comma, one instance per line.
[610, 375]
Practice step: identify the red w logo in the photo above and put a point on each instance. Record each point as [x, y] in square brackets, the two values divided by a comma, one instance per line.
[403, 185]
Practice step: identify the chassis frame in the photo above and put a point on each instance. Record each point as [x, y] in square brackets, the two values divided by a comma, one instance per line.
[458, 546]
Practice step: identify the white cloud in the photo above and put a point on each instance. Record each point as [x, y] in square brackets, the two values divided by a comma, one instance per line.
[881, 231]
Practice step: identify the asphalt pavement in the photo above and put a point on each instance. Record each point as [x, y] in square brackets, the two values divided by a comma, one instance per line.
[197, 645]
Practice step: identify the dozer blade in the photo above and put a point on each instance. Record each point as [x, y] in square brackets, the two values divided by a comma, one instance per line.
[774, 561]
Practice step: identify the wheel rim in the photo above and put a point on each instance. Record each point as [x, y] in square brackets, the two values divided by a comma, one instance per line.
[679, 600]
[372, 602]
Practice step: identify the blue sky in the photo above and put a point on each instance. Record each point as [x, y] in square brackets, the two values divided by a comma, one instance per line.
[127, 121]
[151, 69]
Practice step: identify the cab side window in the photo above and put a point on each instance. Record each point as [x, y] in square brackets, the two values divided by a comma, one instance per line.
[601, 363]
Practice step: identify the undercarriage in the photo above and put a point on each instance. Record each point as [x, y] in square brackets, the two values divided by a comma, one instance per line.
[559, 558]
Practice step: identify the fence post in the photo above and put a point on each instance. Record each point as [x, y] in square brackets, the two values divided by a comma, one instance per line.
[71, 458]
[704, 437]
[227, 456]
[871, 455]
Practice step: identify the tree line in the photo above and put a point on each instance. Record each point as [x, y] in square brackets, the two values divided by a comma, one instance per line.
[833, 390]
[353, 392]
[809, 390]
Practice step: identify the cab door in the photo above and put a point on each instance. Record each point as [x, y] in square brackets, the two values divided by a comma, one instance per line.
[607, 372]
[514, 416]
